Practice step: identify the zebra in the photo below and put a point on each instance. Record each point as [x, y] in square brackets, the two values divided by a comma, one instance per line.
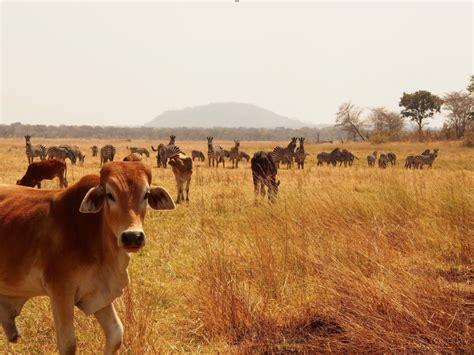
[328, 158]
[410, 162]
[371, 159]
[172, 140]
[182, 167]
[214, 153]
[243, 155]
[165, 151]
[383, 161]
[32, 151]
[264, 173]
[107, 153]
[300, 154]
[235, 153]
[425, 159]
[95, 150]
[197, 154]
[61, 153]
[284, 155]
[139, 150]
[76, 151]
[392, 158]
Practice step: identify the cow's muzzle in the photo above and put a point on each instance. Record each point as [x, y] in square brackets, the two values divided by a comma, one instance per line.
[133, 240]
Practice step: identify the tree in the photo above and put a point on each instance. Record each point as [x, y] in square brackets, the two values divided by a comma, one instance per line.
[470, 87]
[459, 105]
[386, 123]
[419, 106]
[348, 118]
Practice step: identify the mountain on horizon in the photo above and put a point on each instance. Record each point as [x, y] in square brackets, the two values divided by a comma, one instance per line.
[227, 115]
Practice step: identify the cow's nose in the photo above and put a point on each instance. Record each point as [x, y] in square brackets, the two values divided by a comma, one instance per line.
[133, 238]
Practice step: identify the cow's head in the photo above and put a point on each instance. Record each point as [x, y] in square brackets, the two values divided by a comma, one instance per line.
[123, 195]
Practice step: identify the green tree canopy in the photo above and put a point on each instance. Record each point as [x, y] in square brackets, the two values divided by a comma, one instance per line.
[419, 106]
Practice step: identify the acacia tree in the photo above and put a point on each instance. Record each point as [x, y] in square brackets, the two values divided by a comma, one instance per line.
[470, 87]
[385, 122]
[348, 118]
[459, 106]
[419, 106]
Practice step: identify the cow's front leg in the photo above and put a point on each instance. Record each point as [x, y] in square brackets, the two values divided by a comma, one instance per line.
[10, 308]
[63, 313]
[112, 326]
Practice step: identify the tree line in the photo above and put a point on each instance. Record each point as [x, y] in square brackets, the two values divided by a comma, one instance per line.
[418, 107]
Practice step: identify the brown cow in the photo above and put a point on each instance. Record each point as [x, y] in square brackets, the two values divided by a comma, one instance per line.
[133, 157]
[44, 170]
[72, 245]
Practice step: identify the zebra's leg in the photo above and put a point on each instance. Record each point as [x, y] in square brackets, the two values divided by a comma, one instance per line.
[237, 163]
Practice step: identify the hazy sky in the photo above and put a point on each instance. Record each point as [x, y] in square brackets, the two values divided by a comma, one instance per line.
[123, 63]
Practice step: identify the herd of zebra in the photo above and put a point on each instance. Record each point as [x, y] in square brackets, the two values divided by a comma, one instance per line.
[264, 164]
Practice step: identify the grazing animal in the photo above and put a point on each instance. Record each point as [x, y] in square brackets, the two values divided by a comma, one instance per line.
[215, 154]
[61, 153]
[107, 153]
[284, 155]
[133, 157]
[44, 170]
[371, 159]
[243, 155]
[392, 158]
[344, 157]
[264, 173]
[182, 167]
[95, 150]
[328, 158]
[139, 150]
[410, 162]
[197, 154]
[33, 151]
[300, 154]
[425, 159]
[234, 154]
[72, 245]
[164, 152]
[383, 161]
[76, 152]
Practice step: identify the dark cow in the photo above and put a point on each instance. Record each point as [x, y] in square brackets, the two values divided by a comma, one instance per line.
[264, 173]
[44, 170]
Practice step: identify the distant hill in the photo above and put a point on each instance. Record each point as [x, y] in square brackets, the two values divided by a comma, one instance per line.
[227, 115]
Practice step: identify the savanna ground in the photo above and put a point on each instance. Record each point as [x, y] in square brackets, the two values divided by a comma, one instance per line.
[348, 259]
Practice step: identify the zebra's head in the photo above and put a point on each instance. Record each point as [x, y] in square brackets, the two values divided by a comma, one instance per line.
[237, 143]
[172, 139]
[27, 139]
[209, 141]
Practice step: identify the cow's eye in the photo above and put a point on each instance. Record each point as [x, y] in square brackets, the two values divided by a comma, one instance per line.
[147, 194]
[110, 196]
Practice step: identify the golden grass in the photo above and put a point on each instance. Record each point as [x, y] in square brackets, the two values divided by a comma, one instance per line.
[348, 259]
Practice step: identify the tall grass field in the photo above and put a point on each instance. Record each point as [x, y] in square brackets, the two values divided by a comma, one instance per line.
[352, 259]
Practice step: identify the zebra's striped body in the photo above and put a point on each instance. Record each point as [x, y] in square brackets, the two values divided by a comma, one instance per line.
[95, 150]
[371, 159]
[328, 158]
[284, 155]
[264, 173]
[61, 153]
[76, 151]
[425, 159]
[234, 154]
[243, 155]
[383, 161]
[392, 158]
[107, 153]
[215, 154]
[197, 154]
[33, 151]
[300, 154]
[139, 150]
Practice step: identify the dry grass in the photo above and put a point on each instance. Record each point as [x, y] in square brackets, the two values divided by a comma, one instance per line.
[353, 259]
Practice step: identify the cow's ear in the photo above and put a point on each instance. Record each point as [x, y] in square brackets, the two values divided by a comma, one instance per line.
[160, 199]
[93, 200]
